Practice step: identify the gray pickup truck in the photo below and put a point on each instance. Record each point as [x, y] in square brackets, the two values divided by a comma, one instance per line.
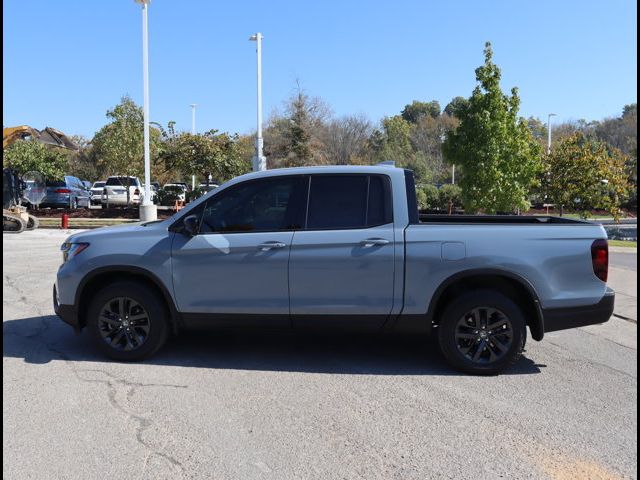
[336, 247]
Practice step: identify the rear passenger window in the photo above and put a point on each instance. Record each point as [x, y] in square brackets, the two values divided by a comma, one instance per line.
[348, 201]
[380, 208]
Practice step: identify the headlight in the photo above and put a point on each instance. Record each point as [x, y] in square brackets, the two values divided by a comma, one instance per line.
[70, 250]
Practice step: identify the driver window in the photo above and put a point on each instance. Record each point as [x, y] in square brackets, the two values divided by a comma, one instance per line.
[261, 205]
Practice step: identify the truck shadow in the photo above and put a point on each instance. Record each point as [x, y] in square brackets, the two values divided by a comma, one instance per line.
[40, 340]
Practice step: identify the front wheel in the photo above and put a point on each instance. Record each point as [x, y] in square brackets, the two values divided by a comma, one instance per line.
[128, 321]
[482, 332]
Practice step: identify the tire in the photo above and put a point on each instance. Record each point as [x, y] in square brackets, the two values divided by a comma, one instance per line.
[33, 223]
[461, 334]
[74, 204]
[119, 342]
[104, 205]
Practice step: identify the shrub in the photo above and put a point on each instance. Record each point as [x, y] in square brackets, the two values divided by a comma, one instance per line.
[450, 195]
[427, 196]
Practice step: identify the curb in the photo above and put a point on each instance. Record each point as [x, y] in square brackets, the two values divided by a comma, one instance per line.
[617, 249]
[54, 223]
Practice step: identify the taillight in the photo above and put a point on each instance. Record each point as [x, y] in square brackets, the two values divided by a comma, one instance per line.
[600, 259]
[62, 190]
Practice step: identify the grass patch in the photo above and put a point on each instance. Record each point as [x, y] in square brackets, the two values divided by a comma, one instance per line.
[623, 243]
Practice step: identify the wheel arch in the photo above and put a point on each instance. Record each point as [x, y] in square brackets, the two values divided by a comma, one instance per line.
[100, 277]
[513, 285]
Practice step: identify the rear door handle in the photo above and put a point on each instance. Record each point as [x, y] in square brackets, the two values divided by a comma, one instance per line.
[265, 247]
[370, 242]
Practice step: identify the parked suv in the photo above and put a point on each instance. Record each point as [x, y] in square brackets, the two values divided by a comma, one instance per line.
[178, 189]
[96, 191]
[115, 191]
[69, 192]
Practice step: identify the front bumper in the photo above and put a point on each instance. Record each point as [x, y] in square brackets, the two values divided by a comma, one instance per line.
[574, 317]
[68, 313]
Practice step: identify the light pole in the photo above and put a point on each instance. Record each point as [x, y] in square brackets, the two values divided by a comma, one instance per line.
[148, 210]
[259, 160]
[193, 132]
[549, 132]
[193, 118]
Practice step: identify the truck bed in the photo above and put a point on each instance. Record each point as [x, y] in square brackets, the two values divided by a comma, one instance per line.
[498, 219]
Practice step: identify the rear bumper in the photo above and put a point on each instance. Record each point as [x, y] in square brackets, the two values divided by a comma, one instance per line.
[68, 313]
[574, 317]
[119, 200]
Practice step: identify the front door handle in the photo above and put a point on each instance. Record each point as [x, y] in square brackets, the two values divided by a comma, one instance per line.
[265, 247]
[370, 242]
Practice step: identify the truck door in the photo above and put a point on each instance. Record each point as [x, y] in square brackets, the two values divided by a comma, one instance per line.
[235, 268]
[341, 267]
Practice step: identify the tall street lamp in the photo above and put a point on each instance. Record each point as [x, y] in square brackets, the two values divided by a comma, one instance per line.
[259, 160]
[549, 132]
[193, 132]
[148, 210]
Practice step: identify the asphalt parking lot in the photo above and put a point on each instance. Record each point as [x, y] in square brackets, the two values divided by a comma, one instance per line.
[283, 406]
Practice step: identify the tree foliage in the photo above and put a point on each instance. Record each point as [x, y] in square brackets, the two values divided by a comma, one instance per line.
[31, 155]
[416, 110]
[294, 138]
[450, 197]
[495, 148]
[119, 146]
[345, 140]
[456, 107]
[584, 173]
[427, 197]
[217, 154]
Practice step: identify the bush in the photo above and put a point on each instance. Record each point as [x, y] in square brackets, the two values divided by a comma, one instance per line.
[427, 196]
[166, 198]
[450, 194]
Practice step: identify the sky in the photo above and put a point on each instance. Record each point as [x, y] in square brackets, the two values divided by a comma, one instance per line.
[66, 62]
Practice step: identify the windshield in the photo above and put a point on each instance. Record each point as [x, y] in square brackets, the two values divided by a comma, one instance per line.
[98, 184]
[174, 188]
[122, 181]
[55, 183]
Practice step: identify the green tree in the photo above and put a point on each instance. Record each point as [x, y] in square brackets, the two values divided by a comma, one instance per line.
[456, 107]
[427, 196]
[82, 162]
[119, 146]
[416, 110]
[395, 142]
[450, 197]
[31, 155]
[497, 153]
[426, 138]
[217, 154]
[583, 173]
[294, 138]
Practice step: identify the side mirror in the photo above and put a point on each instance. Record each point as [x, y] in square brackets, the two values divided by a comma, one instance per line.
[190, 225]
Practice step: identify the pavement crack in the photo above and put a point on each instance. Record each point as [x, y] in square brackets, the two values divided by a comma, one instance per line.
[591, 362]
[112, 382]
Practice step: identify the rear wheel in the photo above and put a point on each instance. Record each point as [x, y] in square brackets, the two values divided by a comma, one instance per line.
[128, 321]
[482, 332]
[33, 223]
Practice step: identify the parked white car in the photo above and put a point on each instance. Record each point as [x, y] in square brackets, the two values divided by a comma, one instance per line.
[96, 191]
[180, 189]
[114, 192]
